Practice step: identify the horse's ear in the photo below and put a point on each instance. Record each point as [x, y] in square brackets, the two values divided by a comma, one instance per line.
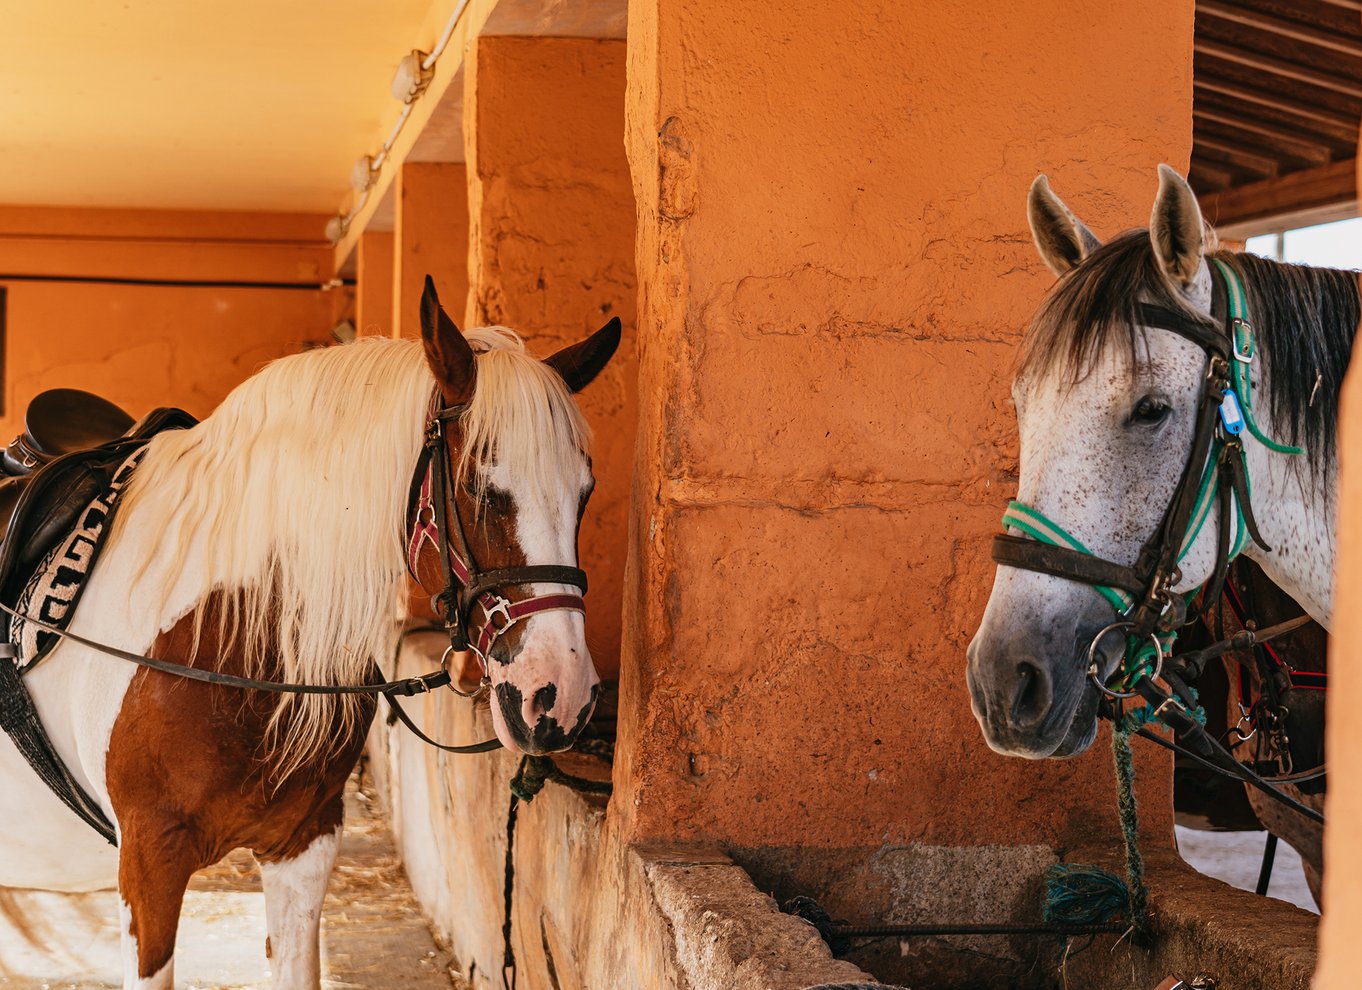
[582, 362]
[448, 354]
[1061, 238]
[1176, 228]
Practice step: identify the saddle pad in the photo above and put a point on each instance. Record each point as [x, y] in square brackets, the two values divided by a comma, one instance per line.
[50, 595]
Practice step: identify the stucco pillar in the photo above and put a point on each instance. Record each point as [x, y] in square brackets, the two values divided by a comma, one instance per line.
[374, 284]
[1340, 953]
[552, 252]
[834, 272]
[430, 237]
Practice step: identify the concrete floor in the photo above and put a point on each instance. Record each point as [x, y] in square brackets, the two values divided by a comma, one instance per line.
[1236, 857]
[373, 933]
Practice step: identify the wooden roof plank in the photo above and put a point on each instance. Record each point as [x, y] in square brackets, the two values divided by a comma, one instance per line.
[1295, 32]
[1279, 67]
[1337, 125]
[1311, 189]
[1262, 165]
[1261, 133]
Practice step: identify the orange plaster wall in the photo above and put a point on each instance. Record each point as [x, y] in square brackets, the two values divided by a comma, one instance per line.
[144, 346]
[552, 217]
[430, 237]
[834, 271]
[1340, 952]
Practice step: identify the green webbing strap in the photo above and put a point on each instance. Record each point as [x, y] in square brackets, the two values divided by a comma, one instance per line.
[1245, 348]
[1036, 525]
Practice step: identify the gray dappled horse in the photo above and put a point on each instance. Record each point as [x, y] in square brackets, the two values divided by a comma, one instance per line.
[1106, 405]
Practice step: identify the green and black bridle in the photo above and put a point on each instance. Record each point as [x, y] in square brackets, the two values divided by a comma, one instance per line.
[1215, 473]
[1142, 595]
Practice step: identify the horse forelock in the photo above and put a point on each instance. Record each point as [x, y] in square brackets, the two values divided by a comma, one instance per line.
[1304, 320]
[522, 418]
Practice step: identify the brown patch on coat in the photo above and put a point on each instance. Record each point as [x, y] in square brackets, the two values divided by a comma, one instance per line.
[188, 784]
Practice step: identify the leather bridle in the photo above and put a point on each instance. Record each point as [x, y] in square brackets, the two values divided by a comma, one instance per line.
[1148, 609]
[1214, 469]
[474, 605]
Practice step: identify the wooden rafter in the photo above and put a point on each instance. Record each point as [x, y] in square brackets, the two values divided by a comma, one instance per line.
[1332, 185]
[1301, 34]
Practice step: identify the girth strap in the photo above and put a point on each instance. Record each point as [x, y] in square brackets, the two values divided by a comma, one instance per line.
[19, 719]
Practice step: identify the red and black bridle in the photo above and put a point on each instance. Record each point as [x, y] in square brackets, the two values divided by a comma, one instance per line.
[434, 518]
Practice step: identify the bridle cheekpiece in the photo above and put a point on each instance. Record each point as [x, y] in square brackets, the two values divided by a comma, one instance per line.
[474, 605]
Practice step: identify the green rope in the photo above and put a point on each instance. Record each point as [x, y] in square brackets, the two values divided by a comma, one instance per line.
[1091, 895]
[1136, 892]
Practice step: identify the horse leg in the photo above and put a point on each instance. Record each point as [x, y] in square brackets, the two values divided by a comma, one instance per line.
[294, 890]
[154, 867]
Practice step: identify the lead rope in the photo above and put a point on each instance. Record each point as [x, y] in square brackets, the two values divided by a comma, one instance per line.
[530, 777]
[1081, 895]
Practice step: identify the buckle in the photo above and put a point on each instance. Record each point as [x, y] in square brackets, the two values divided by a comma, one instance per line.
[502, 608]
[1245, 356]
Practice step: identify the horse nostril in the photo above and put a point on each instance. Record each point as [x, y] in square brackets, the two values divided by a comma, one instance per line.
[544, 699]
[1031, 697]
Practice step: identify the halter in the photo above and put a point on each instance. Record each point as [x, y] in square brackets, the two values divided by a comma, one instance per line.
[1215, 472]
[436, 520]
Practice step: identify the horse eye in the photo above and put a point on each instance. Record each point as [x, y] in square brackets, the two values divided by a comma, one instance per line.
[1151, 410]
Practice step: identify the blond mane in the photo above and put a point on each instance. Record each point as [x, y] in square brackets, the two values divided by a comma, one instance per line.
[291, 501]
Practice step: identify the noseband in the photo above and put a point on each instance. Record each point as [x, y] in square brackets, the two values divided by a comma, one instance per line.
[1215, 471]
[435, 519]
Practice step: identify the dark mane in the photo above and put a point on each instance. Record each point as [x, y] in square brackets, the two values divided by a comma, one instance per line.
[1305, 319]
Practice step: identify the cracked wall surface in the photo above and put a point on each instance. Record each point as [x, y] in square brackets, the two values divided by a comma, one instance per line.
[834, 273]
[552, 218]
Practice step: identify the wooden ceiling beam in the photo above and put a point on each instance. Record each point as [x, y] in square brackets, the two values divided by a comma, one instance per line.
[1213, 173]
[1263, 166]
[1280, 27]
[1312, 152]
[1333, 185]
[1279, 67]
[1336, 125]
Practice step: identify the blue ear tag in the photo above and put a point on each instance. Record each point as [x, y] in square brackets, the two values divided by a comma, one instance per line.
[1231, 415]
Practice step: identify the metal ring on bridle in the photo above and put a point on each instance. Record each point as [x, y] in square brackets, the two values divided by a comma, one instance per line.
[1094, 673]
[454, 681]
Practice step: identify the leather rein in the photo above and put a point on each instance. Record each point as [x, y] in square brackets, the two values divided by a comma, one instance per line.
[434, 515]
[1149, 612]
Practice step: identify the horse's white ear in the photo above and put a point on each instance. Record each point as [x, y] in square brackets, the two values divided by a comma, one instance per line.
[448, 354]
[1176, 229]
[581, 362]
[1061, 238]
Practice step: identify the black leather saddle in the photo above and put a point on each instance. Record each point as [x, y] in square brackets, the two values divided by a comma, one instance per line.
[62, 421]
[73, 443]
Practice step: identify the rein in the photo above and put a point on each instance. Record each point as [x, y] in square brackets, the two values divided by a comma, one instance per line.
[1147, 609]
[465, 588]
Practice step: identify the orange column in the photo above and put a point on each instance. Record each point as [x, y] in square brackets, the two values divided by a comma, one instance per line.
[552, 218]
[834, 268]
[1340, 953]
[374, 284]
[430, 237]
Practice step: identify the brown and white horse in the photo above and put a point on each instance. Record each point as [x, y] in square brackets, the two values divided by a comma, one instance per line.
[270, 541]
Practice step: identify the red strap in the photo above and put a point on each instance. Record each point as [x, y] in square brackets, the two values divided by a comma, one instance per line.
[488, 631]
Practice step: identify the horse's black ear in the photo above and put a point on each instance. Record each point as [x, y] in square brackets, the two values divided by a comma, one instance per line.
[448, 354]
[582, 362]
